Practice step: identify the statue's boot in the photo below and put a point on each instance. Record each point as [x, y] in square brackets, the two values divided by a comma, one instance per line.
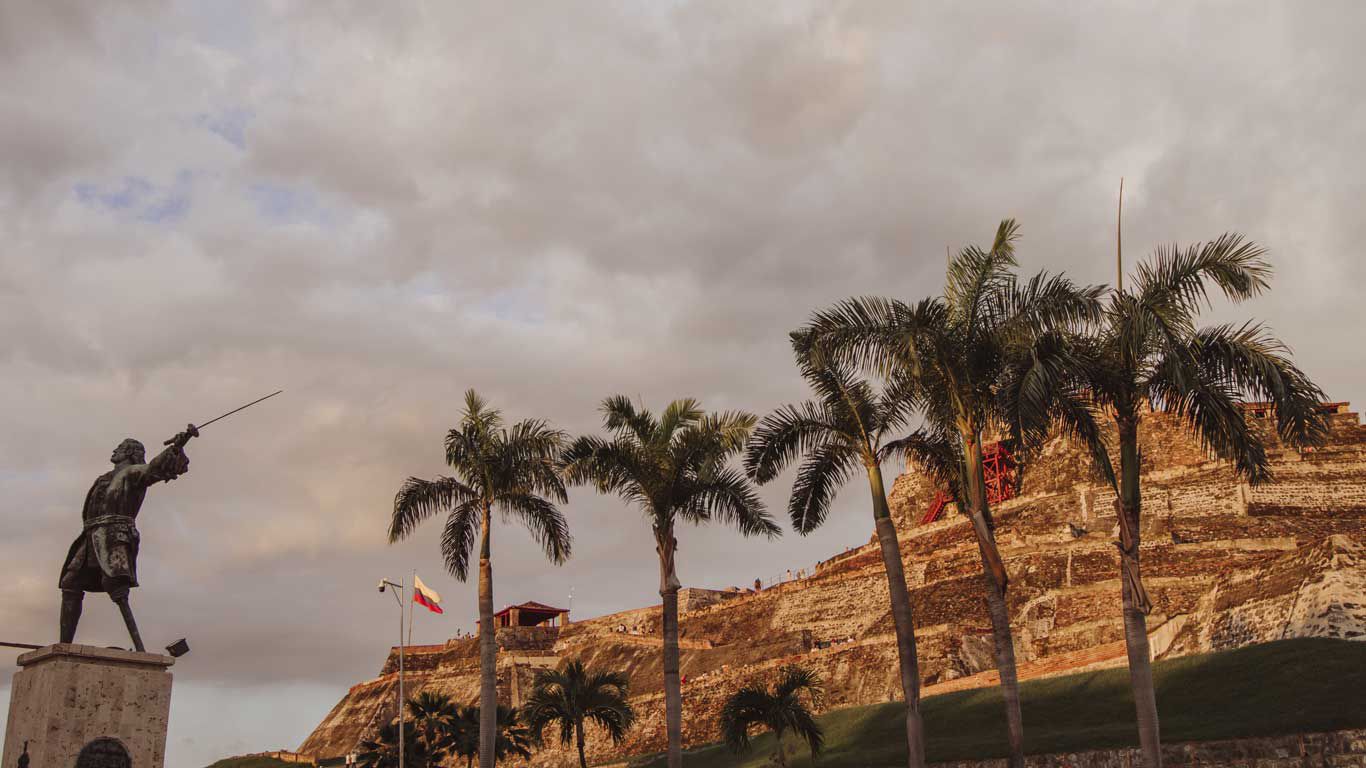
[127, 612]
[72, 600]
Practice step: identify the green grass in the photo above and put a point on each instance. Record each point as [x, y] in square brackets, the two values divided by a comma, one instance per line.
[1288, 686]
[255, 762]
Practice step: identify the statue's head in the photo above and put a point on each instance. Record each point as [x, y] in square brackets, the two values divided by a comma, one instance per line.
[128, 451]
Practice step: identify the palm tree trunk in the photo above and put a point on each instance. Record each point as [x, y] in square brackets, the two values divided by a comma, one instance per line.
[488, 654]
[901, 618]
[578, 729]
[1134, 598]
[666, 545]
[996, 580]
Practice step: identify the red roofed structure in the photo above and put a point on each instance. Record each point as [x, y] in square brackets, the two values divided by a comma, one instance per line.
[531, 614]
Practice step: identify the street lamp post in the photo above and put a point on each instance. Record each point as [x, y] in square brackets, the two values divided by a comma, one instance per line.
[399, 595]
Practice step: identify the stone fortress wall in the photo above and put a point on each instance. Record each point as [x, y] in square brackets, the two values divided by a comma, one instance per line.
[1226, 564]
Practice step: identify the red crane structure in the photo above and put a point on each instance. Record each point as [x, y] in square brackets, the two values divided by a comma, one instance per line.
[998, 469]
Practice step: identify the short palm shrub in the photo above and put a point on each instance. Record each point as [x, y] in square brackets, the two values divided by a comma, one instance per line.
[787, 706]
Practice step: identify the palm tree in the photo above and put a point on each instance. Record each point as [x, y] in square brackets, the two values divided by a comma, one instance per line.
[465, 734]
[779, 710]
[511, 468]
[990, 353]
[1148, 353]
[382, 751]
[515, 736]
[434, 717]
[572, 695]
[842, 430]
[673, 467]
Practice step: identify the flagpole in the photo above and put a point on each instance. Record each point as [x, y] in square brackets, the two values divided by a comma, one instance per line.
[403, 606]
[410, 608]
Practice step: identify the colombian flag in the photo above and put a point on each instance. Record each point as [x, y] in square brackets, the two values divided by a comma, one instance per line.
[426, 596]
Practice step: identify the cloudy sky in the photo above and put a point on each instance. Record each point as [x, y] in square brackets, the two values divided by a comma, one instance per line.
[375, 206]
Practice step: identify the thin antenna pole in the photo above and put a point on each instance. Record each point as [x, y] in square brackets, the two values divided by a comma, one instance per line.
[1119, 238]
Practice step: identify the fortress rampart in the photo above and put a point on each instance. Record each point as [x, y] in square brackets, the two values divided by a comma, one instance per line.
[1226, 564]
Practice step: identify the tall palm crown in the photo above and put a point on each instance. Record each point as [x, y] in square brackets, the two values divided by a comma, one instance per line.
[673, 467]
[785, 707]
[1148, 353]
[514, 469]
[573, 696]
[843, 428]
[839, 433]
[991, 353]
[509, 468]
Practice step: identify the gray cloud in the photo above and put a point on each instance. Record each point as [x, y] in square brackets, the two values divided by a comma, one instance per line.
[553, 203]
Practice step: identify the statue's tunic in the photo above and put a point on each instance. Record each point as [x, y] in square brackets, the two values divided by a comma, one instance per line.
[107, 550]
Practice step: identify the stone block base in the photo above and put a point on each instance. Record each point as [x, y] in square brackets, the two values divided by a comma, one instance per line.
[88, 707]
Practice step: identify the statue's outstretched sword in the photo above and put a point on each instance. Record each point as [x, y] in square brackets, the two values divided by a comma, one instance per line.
[229, 413]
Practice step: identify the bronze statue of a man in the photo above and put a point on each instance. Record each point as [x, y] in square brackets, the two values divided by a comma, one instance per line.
[104, 557]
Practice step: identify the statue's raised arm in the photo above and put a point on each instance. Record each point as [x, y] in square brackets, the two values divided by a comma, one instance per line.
[170, 463]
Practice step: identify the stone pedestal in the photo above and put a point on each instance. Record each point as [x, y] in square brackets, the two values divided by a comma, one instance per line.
[79, 706]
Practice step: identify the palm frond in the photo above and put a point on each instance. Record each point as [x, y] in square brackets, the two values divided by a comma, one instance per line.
[743, 709]
[934, 452]
[1258, 367]
[727, 495]
[870, 333]
[419, 499]
[478, 415]
[458, 535]
[543, 519]
[612, 466]
[1045, 303]
[794, 679]
[620, 416]
[1209, 405]
[782, 437]
[827, 467]
[1174, 275]
[974, 276]
[676, 415]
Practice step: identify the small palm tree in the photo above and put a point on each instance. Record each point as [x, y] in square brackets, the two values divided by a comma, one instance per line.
[572, 696]
[464, 736]
[674, 468]
[779, 709]
[840, 432]
[1148, 354]
[510, 468]
[990, 353]
[434, 717]
[515, 736]
[382, 751]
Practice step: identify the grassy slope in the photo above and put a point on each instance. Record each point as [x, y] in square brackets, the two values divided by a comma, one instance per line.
[1289, 686]
[254, 762]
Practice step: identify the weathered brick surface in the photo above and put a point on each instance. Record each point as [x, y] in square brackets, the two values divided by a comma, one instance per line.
[1226, 565]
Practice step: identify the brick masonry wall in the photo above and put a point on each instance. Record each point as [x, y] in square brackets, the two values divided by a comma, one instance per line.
[1225, 563]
